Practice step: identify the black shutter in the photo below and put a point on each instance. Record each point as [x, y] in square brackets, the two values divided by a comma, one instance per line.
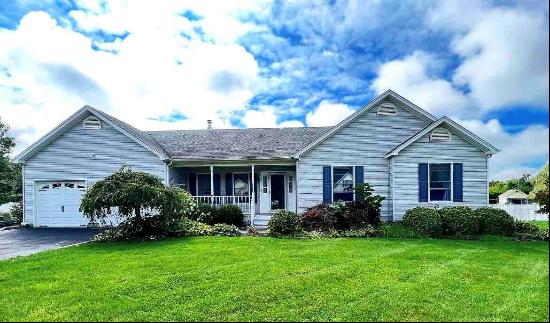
[327, 188]
[458, 195]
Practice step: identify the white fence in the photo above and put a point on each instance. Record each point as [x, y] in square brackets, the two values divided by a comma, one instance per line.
[525, 212]
[243, 202]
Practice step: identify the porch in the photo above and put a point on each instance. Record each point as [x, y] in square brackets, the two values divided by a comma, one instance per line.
[257, 189]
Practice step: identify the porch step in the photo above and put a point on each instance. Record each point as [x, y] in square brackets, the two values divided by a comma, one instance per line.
[261, 220]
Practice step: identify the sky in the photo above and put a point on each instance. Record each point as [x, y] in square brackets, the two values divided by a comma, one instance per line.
[174, 64]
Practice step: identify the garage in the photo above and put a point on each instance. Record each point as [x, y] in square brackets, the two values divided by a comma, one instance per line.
[58, 204]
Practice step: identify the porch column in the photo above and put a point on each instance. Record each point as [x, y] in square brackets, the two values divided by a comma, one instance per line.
[253, 199]
[212, 185]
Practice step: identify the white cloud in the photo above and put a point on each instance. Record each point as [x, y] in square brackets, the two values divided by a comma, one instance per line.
[50, 71]
[505, 59]
[266, 117]
[328, 114]
[410, 78]
[520, 151]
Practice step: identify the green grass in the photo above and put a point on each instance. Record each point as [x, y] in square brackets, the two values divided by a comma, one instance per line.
[245, 278]
[541, 224]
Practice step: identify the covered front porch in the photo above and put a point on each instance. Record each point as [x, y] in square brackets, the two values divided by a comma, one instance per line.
[258, 189]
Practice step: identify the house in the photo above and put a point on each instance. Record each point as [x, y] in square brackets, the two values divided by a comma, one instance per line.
[513, 197]
[409, 156]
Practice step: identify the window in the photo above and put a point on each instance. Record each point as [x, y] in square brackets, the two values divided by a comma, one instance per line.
[203, 184]
[91, 123]
[387, 109]
[264, 184]
[440, 182]
[290, 183]
[342, 183]
[56, 185]
[69, 185]
[440, 135]
[240, 184]
[44, 187]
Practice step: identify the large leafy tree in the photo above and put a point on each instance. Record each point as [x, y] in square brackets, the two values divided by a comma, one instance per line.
[540, 190]
[10, 174]
[523, 183]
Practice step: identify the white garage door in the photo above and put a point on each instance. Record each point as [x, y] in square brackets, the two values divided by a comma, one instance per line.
[58, 204]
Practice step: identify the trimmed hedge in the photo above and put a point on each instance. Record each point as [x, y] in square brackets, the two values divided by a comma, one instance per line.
[495, 221]
[459, 221]
[225, 214]
[284, 223]
[425, 221]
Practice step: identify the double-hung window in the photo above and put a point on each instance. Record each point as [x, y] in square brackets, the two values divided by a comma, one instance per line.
[440, 182]
[342, 183]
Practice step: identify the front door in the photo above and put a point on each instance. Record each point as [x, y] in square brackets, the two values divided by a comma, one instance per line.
[277, 189]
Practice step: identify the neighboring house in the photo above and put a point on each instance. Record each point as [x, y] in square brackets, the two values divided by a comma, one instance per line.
[409, 156]
[513, 197]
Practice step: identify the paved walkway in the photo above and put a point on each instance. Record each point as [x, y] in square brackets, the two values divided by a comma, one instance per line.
[24, 242]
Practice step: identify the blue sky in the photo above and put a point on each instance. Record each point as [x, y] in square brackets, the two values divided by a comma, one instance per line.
[170, 64]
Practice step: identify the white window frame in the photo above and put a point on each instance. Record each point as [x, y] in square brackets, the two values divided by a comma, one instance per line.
[387, 106]
[450, 135]
[332, 179]
[451, 200]
[95, 126]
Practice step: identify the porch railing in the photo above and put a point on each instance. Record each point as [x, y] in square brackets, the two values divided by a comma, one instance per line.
[243, 202]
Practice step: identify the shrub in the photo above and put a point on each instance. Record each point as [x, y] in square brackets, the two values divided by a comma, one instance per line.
[16, 212]
[425, 221]
[459, 221]
[364, 195]
[495, 221]
[522, 227]
[196, 228]
[321, 217]
[356, 215]
[227, 214]
[284, 223]
[525, 231]
[230, 214]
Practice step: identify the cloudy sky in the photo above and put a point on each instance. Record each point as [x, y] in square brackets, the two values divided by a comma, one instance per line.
[174, 64]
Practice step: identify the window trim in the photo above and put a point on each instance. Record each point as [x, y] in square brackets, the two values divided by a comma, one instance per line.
[92, 119]
[451, 169]
[442, 139]
[387, 106]
[332, 179]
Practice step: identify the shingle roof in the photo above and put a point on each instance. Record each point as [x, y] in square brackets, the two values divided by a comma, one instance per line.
[236, 144]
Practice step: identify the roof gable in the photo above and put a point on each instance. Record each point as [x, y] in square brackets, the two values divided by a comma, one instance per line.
[123, 127]
[457, 128]
[389, 94]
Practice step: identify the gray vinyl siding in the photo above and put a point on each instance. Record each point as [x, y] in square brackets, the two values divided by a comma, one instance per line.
[68, 158]
[363, 142]
[423, 151]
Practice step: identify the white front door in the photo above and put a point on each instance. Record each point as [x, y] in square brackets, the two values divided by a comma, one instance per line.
[58, 203]
[273, 191]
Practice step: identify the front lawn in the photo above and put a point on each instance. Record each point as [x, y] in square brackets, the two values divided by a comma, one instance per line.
[245, 278]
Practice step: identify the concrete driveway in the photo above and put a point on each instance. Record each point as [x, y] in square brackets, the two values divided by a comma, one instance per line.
[24, 242]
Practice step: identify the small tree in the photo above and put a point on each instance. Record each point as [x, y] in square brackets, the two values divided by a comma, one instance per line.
[540, 190]
[133, 196]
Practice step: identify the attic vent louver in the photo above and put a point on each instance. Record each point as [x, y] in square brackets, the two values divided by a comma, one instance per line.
[387, 109]
[92, 123]
[440, 135]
